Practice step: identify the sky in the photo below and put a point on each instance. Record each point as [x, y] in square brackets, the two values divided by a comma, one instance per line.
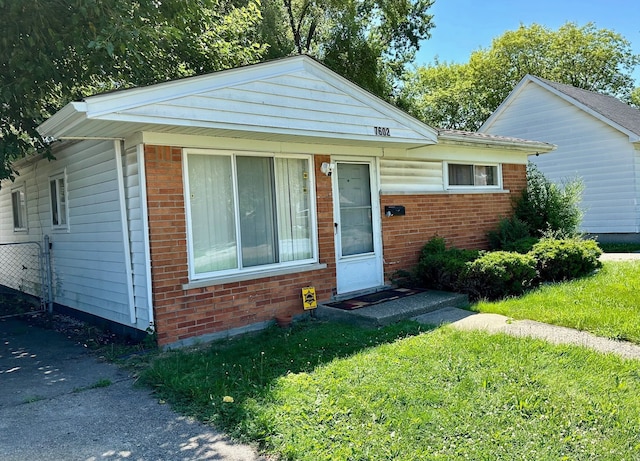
[463, 26]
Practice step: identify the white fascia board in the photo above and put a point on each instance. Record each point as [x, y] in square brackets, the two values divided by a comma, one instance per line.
[66, 118]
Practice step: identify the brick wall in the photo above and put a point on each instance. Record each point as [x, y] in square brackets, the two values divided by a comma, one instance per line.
[462, 219]
[182, 314]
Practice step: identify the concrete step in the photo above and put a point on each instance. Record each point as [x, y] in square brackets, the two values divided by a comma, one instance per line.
[393, 311]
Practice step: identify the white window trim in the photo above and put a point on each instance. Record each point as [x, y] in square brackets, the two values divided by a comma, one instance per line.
[267, 270]
[445, 175]
[55, 177]
[23, 208]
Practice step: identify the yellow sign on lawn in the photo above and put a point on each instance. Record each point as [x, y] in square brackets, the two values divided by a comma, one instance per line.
[309, 298]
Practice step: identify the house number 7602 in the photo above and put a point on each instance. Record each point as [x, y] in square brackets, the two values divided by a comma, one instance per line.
[381, 131]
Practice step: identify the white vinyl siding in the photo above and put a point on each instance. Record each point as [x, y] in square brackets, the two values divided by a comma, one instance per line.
[410, 176]
[587, 148]
[88, 262]
[248, 213]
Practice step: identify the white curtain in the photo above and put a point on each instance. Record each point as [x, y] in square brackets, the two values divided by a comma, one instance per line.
[212, 213]
[294, 217]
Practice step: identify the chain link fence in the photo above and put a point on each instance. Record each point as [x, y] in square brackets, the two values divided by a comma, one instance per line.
[24, 278]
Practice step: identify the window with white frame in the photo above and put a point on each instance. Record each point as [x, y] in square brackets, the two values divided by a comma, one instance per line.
[471, 175]
[58, 196]
[248, 212]
[19, 208]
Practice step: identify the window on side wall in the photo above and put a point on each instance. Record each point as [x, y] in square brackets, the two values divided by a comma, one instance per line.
[19, 208]
[471, 175]
[58, 196]
[248, 213]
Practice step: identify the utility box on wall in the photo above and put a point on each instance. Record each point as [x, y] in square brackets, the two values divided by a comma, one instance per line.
[394, 210]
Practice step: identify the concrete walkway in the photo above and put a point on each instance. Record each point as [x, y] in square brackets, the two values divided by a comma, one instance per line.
[53, 408]
[495, 323]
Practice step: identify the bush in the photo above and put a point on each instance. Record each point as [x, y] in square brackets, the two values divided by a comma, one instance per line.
[439, 268]
[509, 230]
[499, 274]
[548, 207]
[565, 259]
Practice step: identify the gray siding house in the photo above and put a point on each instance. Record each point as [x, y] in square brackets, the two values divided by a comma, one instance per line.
[597, 138]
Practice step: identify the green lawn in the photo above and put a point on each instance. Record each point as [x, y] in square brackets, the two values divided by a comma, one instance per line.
[334, 392]
[606, 304]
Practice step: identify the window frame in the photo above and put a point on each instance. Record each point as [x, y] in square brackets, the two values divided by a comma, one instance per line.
[474, 186]
[250, 271]
[57, 178]
[22, 211]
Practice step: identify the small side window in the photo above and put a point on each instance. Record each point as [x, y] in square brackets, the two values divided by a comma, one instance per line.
[19, 208]
[58, 194]
[462, 175]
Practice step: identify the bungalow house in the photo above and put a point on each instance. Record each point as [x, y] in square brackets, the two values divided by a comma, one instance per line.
[202, 206]
[598, 140]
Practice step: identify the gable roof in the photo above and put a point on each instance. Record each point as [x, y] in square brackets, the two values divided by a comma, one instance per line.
[608, 109]
[290, 99]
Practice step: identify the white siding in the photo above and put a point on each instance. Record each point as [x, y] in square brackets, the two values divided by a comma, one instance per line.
[299, 101]
[138, 247]
[587, 148]
[408, 176]
[88, 260]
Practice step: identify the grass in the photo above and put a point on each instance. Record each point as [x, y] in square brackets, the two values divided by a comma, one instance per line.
[334, 392]
[619, 247]
[605, 304]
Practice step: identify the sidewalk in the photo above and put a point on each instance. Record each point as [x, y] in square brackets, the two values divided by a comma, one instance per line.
[495, 323]
[53, 407]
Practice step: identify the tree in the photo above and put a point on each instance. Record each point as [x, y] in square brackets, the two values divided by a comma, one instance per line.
[55, 51]
[463, 95]
[368, 41]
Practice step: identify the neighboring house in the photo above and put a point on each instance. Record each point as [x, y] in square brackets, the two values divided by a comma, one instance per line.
[203, 206]
[597, 139]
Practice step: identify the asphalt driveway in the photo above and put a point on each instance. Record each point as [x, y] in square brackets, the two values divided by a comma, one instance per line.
[58, 402]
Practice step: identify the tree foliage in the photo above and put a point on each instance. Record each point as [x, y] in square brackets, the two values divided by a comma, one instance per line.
[368, 41]
[462, 96]
[55, 51]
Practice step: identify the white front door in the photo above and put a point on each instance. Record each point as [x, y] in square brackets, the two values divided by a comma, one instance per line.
[357, 226]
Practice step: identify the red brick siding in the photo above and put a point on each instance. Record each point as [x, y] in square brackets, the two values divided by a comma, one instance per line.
[182, 314]
[462, 219]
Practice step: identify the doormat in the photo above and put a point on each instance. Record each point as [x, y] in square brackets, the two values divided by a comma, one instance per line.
[374, 298]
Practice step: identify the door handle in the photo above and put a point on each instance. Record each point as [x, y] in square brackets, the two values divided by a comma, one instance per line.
[335, 228]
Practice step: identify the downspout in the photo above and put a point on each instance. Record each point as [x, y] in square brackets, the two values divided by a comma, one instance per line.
[145, 231]
[125, 231]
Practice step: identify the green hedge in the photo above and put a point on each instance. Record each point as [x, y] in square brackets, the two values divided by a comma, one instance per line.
[499, 274]
[440, 268]
[565, 259]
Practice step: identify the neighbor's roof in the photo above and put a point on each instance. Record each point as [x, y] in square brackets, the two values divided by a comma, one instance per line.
[608, 109]
[608, 106]
[479, 138]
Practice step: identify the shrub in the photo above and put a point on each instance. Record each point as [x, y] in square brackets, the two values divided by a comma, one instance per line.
[499, 274]
[439, 268]
[565, 259]
[509, 231]
[548, 207]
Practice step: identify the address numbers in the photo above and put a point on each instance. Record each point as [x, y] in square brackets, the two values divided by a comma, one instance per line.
[381, 131]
